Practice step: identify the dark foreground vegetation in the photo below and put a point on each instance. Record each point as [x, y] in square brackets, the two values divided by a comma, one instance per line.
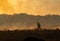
[25, 35]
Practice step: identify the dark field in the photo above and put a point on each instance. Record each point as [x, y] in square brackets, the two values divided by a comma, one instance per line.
[47, 35]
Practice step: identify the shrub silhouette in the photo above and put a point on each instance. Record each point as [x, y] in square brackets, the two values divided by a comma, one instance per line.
[33, 39]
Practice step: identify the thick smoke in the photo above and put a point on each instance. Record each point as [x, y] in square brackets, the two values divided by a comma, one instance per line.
[24, 21]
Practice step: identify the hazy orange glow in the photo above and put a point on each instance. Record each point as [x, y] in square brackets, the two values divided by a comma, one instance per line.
[34, 7]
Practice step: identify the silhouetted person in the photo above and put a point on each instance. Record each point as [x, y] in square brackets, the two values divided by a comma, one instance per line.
[38, 25]
[33, 39]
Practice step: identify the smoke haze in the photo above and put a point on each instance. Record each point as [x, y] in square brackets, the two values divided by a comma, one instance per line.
[23, 21]
[32, 7]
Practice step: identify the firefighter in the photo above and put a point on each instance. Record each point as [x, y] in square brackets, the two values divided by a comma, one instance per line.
[38, 26]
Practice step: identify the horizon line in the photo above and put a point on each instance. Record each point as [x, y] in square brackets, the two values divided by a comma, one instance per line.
[29, 14]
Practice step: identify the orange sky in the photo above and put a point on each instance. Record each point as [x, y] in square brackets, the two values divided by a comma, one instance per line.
[34, 7]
